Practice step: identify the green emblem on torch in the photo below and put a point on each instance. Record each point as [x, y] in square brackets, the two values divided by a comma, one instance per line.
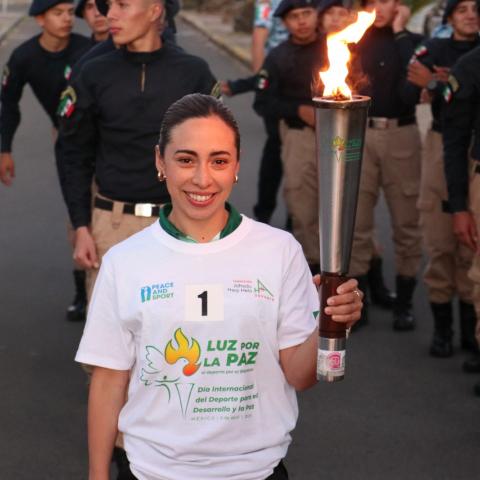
[347, 150]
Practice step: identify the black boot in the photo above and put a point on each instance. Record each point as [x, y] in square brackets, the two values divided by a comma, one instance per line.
[468, 321]
[363, 286]
[77, 310]
[379, 294]
[402, 308]
[442, 336]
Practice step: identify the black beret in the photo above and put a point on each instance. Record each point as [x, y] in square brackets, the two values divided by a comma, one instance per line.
[102, 6]
[450, 7]
[286, 5]
[41, 6]
[324, 5]
[79, 8]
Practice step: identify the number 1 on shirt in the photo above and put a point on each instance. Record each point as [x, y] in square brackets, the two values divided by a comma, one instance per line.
[204, 303]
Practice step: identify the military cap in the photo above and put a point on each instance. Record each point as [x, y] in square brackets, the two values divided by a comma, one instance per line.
[450, 7]
[80, 8]
[41, 6]
[324, 5]
[102, 6]
[286, 5]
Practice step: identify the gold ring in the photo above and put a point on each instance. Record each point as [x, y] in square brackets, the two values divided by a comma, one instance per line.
[357, 293]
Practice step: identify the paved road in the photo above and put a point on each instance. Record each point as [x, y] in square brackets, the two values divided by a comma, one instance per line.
[398, 415]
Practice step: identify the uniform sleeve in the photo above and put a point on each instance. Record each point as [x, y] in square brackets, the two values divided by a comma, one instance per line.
[263, 14]
[459, 115]
[299, 303]
[75, 149]
[243, 85]
[407, 43]
[106, 341]
[13, 81]
[268, 100]
[206, 81]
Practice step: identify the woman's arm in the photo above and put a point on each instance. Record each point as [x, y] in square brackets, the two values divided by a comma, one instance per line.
[108, 392]
[299, 362]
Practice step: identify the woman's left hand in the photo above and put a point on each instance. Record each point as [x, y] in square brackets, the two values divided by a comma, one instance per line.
[346, 307]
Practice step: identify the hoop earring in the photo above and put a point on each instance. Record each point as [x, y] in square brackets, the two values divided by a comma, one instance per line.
[236, 179]
[161, 176]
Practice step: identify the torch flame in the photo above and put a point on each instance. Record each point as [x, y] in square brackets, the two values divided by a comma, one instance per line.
[334, 78]
[190, 353]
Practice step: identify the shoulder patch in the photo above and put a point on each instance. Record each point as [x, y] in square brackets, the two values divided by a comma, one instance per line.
[68, 100]
[67, 73]
[421, 50]
[216, 90]
[5, 75]
[262, 80]
[453, 82]
[262, 11]
[447, 93]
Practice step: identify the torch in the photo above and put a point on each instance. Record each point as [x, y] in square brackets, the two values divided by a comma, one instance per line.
[340, 122]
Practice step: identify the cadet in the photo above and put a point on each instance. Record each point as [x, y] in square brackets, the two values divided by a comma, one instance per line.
[392, 145]
[268, 32]
[98, 24]
[110, 118]
[449, 259]
[284, 91]
[461, 118]
[44, 62]
[335, 15]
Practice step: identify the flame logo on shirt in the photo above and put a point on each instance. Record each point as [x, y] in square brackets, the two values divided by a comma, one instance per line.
[189, 352]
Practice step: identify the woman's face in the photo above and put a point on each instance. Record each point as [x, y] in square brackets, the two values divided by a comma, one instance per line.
[200, 164]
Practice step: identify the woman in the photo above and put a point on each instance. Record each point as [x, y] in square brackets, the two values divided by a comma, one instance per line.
[211, 314]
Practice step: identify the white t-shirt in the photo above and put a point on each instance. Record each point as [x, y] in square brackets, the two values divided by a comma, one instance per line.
[201, 325]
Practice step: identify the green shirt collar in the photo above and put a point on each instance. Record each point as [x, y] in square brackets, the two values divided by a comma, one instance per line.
[234, 220]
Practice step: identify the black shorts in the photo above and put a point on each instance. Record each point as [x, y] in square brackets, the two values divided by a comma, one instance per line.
[280, 473]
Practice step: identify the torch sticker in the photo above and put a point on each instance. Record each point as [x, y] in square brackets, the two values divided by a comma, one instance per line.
[331, 363]
[166, 370]
[347, 150]
[338, 146]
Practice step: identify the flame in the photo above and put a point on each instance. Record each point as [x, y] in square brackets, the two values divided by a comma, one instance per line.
[190, 353]
[334, 78]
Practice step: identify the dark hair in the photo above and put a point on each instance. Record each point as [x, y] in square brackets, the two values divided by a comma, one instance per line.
[195, 105]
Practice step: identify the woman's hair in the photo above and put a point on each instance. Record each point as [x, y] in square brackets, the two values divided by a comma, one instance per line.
[195, 105]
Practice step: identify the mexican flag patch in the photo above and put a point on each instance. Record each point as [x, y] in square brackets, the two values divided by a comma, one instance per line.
[447, 93]
[67, 103]
[262, 80]
[421, 51]
[67, 73]
[262, 11]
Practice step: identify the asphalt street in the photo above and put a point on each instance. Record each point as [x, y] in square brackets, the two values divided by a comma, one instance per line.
[399, 414]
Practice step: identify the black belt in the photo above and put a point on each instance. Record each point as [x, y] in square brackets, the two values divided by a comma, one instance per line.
[137, 209]
[383, 123]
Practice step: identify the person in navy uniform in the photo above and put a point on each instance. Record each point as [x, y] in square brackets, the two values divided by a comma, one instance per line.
[446, 274]
[44, 62]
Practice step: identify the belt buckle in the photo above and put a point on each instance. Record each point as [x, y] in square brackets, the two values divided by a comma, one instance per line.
[143, 209]
[381, 123]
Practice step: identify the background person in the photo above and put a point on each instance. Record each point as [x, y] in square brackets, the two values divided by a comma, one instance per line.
[158, 346]
[98, 24]
[449, 259]
[461, 144]
[392, 145]
[44, 62]
[285, 91]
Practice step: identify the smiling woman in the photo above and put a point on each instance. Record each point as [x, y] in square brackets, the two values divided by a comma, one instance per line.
[207, 317]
